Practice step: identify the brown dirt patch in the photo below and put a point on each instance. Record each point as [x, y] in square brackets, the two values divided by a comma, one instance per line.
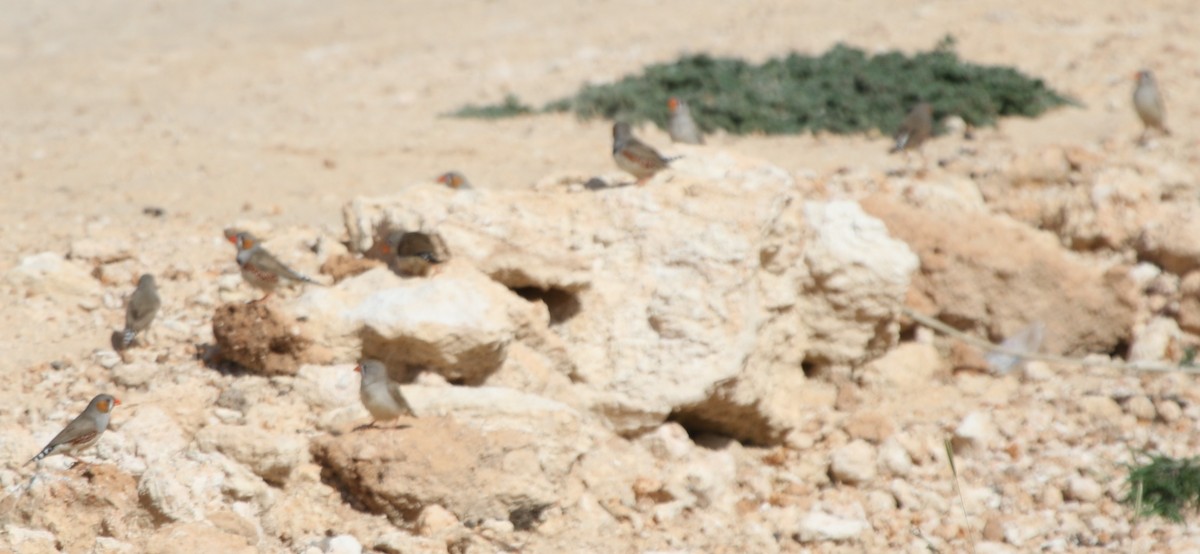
[260, 338]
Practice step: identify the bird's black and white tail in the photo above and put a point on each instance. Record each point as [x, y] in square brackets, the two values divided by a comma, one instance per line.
[308, 279]
[127, 338]
[45, 452]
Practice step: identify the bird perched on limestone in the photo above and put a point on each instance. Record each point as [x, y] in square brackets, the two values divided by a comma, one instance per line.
[682, 127]
[1148, 102]
[380, 395]
[635, 156]
[83, 432]
[916, 128]
[259, 268]
[142, 307]
[455, 180]
[416, 253]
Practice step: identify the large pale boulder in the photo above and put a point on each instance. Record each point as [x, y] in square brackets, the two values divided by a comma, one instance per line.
[706, 295]
[459, 323]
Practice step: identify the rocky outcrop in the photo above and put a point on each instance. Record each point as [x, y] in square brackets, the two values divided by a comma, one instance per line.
[706, 299]
[709, 363]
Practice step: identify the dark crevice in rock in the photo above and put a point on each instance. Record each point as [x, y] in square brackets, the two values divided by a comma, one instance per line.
[720, 416]
[562, 304]
[811, 369]
[1120, 351]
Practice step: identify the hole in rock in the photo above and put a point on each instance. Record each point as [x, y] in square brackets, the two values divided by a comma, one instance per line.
[811, 370]
[1120, 350]
[716, 429]
[562, 304]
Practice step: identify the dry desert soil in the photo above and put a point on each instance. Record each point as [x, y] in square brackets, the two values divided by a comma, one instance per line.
[276, 114]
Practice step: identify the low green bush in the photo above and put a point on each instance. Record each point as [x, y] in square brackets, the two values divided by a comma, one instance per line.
[842, 91]
[511, 107]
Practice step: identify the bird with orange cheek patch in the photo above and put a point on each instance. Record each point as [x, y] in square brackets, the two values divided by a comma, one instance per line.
[455, 180]
[634, 156]
[83, 432]
[681, 126]
[260, 268]
[380, 395]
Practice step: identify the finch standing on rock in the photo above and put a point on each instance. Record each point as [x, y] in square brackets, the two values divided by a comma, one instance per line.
[143, 305]
[455, 180]
[259, 268]
[1148, 102]
[682, 127]
[916, 128]
[83, 432]
[635, 156]
[380, 395]
[416, 252]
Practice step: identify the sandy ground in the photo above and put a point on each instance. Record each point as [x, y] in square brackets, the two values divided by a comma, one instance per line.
[281, 111]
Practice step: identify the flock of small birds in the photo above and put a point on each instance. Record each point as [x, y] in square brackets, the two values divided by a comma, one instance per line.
[415, 253]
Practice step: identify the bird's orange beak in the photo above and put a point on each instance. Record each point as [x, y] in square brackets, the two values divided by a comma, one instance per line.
[443, 178]
[116, 402]
[358, 368]
[232, 239]
[672, 103]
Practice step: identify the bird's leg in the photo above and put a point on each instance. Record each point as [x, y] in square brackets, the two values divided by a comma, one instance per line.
[263, 299]
[907, 161]
[924, 167]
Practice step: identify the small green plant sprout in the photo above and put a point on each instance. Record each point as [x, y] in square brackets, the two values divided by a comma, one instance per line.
[1164, 486]
[962, 503]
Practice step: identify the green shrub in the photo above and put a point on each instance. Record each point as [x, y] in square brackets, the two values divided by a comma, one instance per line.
[842, 91]
[1165, 487]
